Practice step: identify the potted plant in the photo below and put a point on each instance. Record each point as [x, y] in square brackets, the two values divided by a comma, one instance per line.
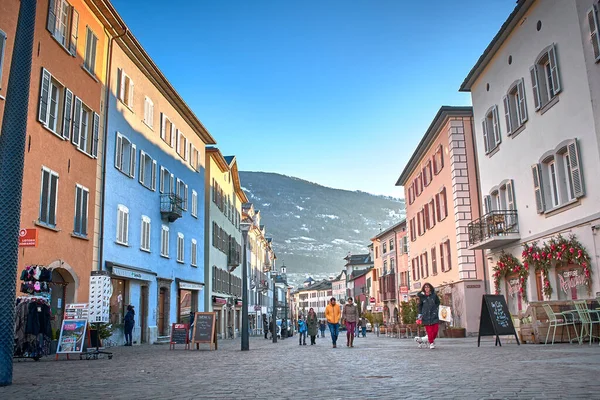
[101, 332]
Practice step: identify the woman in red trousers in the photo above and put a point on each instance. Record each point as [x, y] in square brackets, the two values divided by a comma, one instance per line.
[429, 305]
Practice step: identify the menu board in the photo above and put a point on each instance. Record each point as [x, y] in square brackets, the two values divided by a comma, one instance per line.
[100, 292]
[72, 336]
[179, 334]
[495, 318]
[204, 328]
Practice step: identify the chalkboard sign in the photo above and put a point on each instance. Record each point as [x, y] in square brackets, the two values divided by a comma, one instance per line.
[495, 318]
[179, 335]
[204, 329]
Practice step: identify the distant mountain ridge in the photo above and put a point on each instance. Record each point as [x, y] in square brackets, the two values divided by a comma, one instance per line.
[314, 227]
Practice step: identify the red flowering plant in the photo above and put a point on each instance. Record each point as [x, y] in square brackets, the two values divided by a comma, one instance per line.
[508, 264]
[537, 257]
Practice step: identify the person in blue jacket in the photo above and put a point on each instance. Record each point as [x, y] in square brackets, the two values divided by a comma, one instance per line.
[302, 331]
[129, 322]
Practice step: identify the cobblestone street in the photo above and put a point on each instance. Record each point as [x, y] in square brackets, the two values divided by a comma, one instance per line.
[376, 367]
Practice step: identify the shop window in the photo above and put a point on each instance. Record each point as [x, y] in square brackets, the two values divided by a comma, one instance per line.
[118, 301]
[571, 283]
[186, 305]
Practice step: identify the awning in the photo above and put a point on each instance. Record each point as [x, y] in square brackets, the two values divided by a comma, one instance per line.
[129, 272]
[189, 285]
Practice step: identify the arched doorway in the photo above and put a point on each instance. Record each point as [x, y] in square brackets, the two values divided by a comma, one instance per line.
[396, 318]
[63, 289]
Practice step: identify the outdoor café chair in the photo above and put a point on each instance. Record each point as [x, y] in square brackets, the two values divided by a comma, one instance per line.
[557, 319]
[588, 318]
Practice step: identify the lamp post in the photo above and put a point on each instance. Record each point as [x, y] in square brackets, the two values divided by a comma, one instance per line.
[12, 143]
[285, 308]
[245, 338]
[274, 274]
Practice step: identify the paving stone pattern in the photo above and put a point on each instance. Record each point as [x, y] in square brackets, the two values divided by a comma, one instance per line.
[377, 367]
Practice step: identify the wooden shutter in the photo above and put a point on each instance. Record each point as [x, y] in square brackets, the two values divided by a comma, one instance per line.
[74, 31]
[554, 72]
[432, 211]
[154, 175]
[487, 204]
[51, 22]
[510, 194]
[576, 172]
[185, 198]
[437, 207]
[426, 217]
[506, 102]
[485, 135]
[130, 97]
[162, 126]
[76, 138]
[538, 188]
[448, 256]
[173, 132]
[433, 261]
[443, 194]
[522, 104]
[171, 183]
[535, 86]
[44, 97]
[496, 124]
[95, 134]
[594, 35]
[68, 112]
[133, 154]
[442, 266]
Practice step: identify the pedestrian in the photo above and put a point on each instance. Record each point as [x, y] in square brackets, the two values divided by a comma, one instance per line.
[128, 327]
[333, 314]
[311, 322]
[429, 304]
[350, 316]
[265, 325]
[301, 332]
[364, 327]
[322, 327]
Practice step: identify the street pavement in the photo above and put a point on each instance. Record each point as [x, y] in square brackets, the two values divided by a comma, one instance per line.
[377, 367]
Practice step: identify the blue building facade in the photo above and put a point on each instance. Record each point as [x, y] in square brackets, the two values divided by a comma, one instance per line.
[153, 214]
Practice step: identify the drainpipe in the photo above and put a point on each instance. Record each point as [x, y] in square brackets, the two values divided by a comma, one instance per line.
[105, 145]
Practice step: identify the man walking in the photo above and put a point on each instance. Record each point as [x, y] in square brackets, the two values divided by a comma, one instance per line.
[332, 313]
[350, 316]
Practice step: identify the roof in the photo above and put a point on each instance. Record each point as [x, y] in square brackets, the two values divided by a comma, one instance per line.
[339, 277]
[358, 259]
[229, 159]
[309, 279]
[321, 285]
[513, 19]
[391, 228]
[432, 132]
[228, 163]
[358, 273]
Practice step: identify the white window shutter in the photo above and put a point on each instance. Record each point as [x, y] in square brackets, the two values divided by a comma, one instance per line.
[126, 227]
[185, 198]
[536, 87]
[506, 102]
[153, 175]
[44, 97]
[538, 188]
[552, 56]
[173, 132]
[485, 135]
[142, 171]
[177, 141]
[76, 138]
[171, 182]
[130, 99]
[594, 35]
[51, 23]
[74, 32]
[119, 153]
[487, 204]
[522, 103]
[576, 172]
[162, 126]
[133, 154]
[510, 194]
[95, 136]
[161, 188]
[119, 224]
[120, 84]
[496, 123]
[68, 113]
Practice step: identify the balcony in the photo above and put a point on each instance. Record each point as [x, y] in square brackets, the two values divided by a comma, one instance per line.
[495, 229]
[171, 206]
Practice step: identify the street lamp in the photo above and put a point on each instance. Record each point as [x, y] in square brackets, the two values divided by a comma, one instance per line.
[245, 334]
[285, 309]
[274, 274]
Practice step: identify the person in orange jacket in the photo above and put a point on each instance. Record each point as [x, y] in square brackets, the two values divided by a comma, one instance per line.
[333, 314]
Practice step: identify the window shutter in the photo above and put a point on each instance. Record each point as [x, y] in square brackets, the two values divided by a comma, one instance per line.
[594, 36]
[51, 23]
[130, 98]
[487, 204]
[120, 84]
[119, 153]
[576, 173]
[448, 257]
[74, 33]
[510, 195]
[185, 198]
[426, 217]
[96, 132]
[132, 160]
[441, 150]
[555, 73]
[153, 175]
[77, 122]
[538, 187]
[162, 126]
[432, 211]
[442, 265]
[66, 128]
[496, 123]
[173, 129]
[142, 172]
[171, 183]
[443, 194]
[437, 207]
[44, 97]
[507, 115]
[435, 167]
[485, 135]
[536, 87]
[522, 103]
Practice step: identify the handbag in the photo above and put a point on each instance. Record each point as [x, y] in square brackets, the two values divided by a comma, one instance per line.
[445, 313]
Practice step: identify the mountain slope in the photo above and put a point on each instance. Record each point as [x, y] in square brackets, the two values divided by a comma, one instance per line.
[314, 227]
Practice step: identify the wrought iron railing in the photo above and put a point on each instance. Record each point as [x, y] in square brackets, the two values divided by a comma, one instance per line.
[171, 206]
[496, 223]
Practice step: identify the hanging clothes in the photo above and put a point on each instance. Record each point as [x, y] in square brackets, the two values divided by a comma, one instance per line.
[33, 332]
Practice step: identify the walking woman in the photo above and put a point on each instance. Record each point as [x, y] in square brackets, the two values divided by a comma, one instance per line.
[429, 305]
[129, 322]
[312, 323]
[350, 316]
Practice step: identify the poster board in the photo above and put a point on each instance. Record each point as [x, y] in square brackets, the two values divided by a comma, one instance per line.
[204, 329]
[100, 292]
[179, 335]
[495, 319]
[72, 336]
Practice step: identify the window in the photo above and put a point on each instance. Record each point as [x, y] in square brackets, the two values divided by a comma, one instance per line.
[491, 130]
[148, 112]
[405, 245]
[411, 194]
[122, 225]
[167, 130]
[385, 271]
[545, 77]
[194, 251]
[441, 205]
[594, 35]
[384, 248]
[2, 47]
[414, 269]
[448, 257]
[145, 234]
[55, 106]
[166, 181]
[49, 197]
[180, 249]
[182, 192]
[572, 283]
[427, 173]
[147, 171]
[81, 210]
[419, 184]
[164, 241]
[413, 230]
[391, 244]
[376, 251]
[438, 160]
[424, 265]
[433, 262]
[90, 52]
[442, 265]
[515, 107]
[124, 88]
[181, 145]
[86, 126]
[194, 211]
[194, 155]
[125, 153]
[63, 23]
[558, 179]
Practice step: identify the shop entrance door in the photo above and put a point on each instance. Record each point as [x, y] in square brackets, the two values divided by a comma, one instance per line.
[144, 315]
[162, 311]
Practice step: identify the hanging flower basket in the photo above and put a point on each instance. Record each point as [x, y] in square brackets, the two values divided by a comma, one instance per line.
[509, 264]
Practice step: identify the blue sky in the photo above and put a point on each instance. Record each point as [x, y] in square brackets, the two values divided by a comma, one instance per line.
[334, 92]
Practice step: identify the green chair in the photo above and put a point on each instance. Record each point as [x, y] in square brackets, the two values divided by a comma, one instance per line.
[588, 318]
[555, 320]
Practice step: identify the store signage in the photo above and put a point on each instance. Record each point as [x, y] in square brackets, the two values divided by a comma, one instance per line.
[190, 286]
[131, 274]
[28, 238]
[473, 286]
[219, 300]
[571, 279]
[257, 308]
[72, 336]
[372, 300]
[76, 311]
[403, 289]
[238, 303]
[100, 292]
